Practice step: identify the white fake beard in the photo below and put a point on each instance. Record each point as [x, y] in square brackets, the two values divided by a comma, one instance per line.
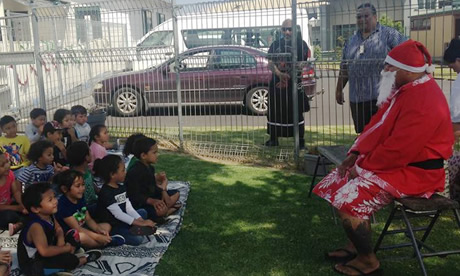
[386, 86]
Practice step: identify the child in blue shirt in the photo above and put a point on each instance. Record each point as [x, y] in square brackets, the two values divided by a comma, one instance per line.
[73, 213]
[42, 248]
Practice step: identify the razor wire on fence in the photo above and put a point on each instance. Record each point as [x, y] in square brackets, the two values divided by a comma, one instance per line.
[131, 56]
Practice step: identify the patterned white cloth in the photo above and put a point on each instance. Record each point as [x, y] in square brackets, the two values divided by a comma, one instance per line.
[126, 259]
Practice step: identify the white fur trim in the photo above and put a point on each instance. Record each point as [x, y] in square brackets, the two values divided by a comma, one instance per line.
[403, 66]
[430, 69]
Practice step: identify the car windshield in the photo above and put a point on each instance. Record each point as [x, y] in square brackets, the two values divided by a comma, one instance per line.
[163, 38]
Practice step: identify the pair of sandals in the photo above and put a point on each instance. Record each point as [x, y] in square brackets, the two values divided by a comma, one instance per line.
[343, 260]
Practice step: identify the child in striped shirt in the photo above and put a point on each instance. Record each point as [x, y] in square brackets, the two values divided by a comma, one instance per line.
[42, 169]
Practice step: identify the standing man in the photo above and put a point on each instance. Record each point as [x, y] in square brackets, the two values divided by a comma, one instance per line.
[362, 62]
[400, 154]
[280, 101]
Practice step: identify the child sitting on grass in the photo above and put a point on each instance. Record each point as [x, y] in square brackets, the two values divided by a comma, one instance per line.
[81, 118]
[42, 248]
[64, 119]
[15, 146]
[53, 133]
[98, 138]
[128, 149]
[11, 215]
[147, 189]
[79, 157]
[42, 169]
[34, 130]
[73, 213]
[115, 207]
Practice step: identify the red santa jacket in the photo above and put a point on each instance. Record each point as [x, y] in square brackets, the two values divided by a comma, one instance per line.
[413, 126]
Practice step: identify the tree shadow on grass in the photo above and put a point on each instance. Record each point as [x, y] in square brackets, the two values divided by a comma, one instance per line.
[256, 221]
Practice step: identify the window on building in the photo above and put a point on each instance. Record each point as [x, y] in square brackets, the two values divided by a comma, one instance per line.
[160, 18]
[417, 24]
[421, 4]
[147, 20]
[20, 27]
[342, 33]
[88, 23]
[444, 3]
[430, 4]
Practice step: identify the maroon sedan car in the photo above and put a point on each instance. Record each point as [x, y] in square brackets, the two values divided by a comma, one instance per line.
[215, 75]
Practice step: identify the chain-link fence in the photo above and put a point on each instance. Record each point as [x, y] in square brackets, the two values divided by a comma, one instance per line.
[198, 76]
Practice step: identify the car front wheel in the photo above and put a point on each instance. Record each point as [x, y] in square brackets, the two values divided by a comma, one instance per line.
[127, 101]
[257, 100]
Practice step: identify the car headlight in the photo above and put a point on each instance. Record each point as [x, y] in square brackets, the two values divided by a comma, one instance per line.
[98, 86]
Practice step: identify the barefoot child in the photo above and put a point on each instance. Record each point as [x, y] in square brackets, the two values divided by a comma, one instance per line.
[115, 207]
[147, 189]
[98, 138]
[11, 215]
[73, 213]
[41, 245]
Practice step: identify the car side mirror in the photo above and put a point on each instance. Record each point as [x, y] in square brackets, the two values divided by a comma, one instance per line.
[172, 68]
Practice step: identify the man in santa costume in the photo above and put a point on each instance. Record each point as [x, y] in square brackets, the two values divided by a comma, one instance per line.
[399, 154]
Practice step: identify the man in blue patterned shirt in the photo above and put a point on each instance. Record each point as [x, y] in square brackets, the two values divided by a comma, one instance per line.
[362, 62]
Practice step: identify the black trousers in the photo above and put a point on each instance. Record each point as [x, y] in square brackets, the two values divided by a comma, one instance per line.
[362, 113]
[36, 267]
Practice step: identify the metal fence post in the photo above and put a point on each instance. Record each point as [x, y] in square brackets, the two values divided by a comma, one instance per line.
[176, 65]
[15, 69]
[56, 55]
[295, 98]
[38, 63]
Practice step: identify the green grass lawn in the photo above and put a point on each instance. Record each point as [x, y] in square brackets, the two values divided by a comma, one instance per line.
[247, 220]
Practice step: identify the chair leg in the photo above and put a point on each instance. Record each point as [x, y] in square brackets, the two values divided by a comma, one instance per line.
[334, 214]
[314, 175]
[413, 240]
[385, 229]
[457, 216]
[430, 227]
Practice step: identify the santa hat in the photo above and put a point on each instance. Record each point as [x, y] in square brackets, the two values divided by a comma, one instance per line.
[411, 56]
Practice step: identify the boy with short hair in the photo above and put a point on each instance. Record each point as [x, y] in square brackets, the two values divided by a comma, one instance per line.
[146, 189]
[15, 146]
[53, 133]
[81, 118]
[34, 130]
[79, 157]
[42, 247]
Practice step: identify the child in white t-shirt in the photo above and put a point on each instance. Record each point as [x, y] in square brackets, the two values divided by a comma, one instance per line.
[82, 127]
